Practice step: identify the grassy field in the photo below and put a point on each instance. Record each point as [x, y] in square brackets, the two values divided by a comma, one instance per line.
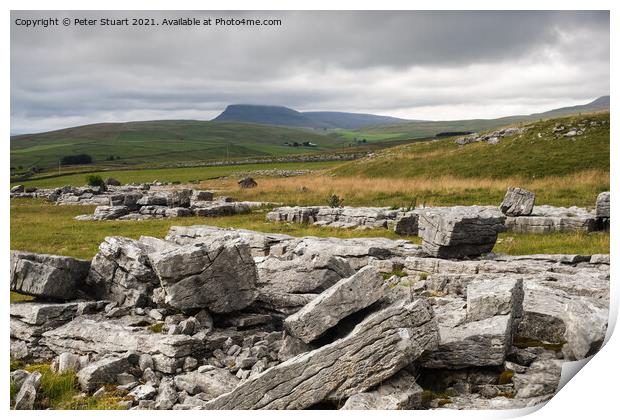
[534, 154]
[173, 174]
[579, 189]
[38, 226]
[163, 141]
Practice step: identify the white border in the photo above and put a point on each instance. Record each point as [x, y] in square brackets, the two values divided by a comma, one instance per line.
[591, 395]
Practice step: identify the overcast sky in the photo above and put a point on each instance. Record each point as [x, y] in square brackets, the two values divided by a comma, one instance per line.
[418, 65]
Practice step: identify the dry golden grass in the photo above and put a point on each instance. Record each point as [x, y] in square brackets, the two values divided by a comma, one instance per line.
[575, 189]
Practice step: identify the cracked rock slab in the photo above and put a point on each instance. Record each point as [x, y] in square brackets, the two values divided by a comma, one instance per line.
[347, 296]
[378, 347]
[47, 276]
[219, 275]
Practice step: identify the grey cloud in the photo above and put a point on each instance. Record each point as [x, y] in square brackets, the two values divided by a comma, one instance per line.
[387, 62]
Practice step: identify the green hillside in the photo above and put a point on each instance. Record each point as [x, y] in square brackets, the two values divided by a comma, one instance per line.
[536, 153]
[162, 141]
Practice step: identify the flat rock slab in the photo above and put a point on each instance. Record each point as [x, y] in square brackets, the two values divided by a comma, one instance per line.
[94, 335]
[47, 276]
[374, 351]
[347, 296]
[457, 232]
[518, 202]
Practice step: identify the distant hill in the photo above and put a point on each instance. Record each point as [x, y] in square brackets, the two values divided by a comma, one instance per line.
[424, 129]
[163, 141]
[283, 116]
[597, 105]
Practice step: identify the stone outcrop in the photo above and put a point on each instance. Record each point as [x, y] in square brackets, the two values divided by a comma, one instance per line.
[47, 276]
[375, 350]
[493, 137]
[215, 318]
[518, 202]
[456, 232]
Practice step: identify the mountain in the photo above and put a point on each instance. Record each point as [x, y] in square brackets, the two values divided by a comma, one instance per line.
[280, 115]
[268, 115]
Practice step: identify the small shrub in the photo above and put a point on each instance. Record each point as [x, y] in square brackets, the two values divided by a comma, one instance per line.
[423, 275]
[334, 201]
[505, 377]
[156, 328]
[95, 181]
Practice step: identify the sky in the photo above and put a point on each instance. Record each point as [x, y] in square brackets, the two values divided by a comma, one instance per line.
[411, 64]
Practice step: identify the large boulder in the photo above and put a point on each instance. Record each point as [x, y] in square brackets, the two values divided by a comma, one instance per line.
[518, 202]
[377, 348]
[121, 272]
[219, 275]
[47, 276]
[344, 298]
[457, 232]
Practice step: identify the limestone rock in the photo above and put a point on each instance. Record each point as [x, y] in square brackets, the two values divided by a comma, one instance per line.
[110, 212]
[518, 202]
[400, 392]
[602, 205]
[94, 335]
[212, 382]
[121, 272]
[347, 296]
[219, 276]
[456, 232]
[501, 296]
[478, 343]
[102, 372]
[47, 276]
[25, 398]
[377, 348]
